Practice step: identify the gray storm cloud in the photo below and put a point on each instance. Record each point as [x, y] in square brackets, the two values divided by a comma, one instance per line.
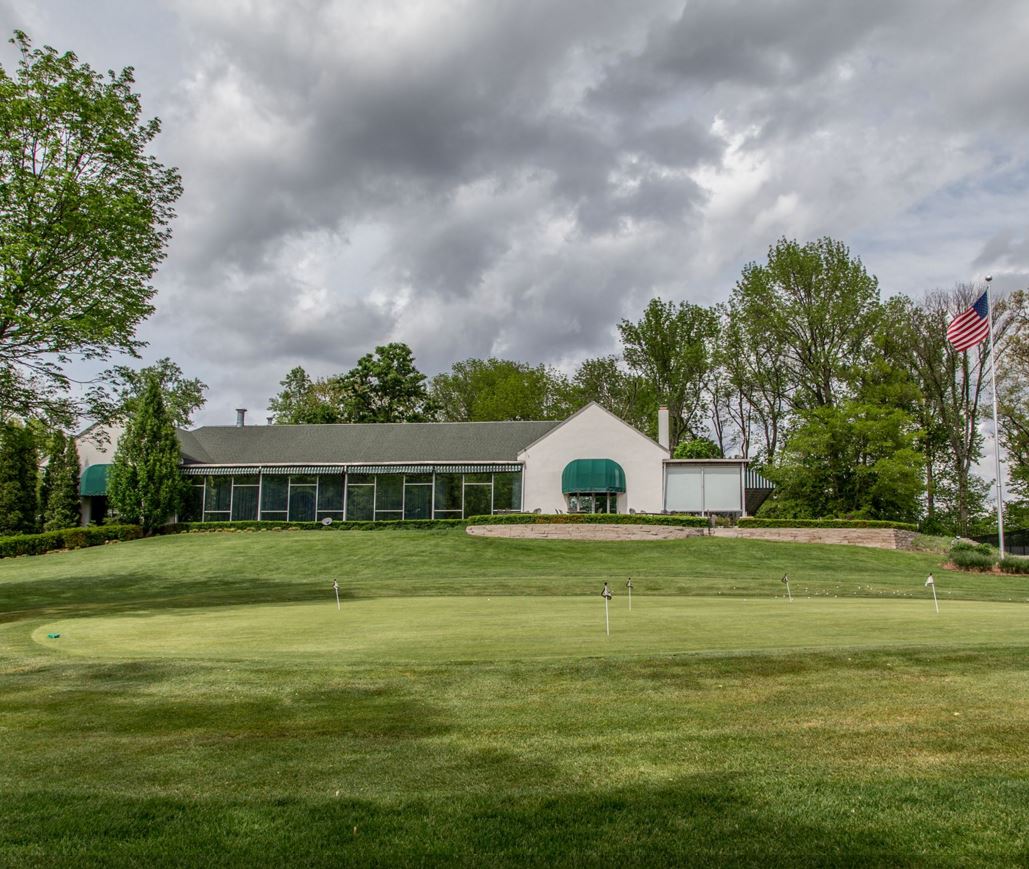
[513, 179]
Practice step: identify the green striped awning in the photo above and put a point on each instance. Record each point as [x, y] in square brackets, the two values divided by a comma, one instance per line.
[93, 481]
[477, 469]
[592, 475]
[389, 469]
[239, 470]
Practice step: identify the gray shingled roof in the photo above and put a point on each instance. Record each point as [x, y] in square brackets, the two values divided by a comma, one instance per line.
[361, 443]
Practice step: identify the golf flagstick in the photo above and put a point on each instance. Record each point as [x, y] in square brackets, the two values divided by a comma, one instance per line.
[929, 581]
[628, 585]
[335, 588]
[606, 594]
[786, 579]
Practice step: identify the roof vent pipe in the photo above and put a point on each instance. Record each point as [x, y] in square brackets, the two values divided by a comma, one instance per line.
[241, 412]
[271, 420]
[663, 435]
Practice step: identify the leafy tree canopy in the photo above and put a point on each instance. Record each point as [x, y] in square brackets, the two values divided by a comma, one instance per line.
[495, 389]
[698, 448]
[84, 222]
[183, 396]
[385, 386]
[818, 305]
[627, 395]
[670, 347]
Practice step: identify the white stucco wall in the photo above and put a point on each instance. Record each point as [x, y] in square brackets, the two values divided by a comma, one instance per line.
[593, 433]
[93, 453]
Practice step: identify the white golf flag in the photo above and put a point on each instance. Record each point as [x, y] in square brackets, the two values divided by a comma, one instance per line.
[929, 581]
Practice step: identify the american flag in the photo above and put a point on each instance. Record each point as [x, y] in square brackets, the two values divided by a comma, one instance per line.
[970, 326]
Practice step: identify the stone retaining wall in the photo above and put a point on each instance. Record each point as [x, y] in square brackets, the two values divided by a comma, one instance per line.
[586, 532]
[879, 538]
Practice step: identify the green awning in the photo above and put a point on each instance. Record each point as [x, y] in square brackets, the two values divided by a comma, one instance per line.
[592, 475]
[94, 481]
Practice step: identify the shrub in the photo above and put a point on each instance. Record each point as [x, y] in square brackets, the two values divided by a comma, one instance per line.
[971, 560]
[755, 522]
[66, 538]
[1014, 565]
[968, 546]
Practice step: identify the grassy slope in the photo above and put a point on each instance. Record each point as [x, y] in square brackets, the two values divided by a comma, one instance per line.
[880, 756]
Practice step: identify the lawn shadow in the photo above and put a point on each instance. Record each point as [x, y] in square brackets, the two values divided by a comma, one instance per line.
[704, 819]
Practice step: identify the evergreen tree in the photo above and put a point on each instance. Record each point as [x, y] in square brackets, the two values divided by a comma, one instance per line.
[60, 493]
[145, 486]
[19, 480]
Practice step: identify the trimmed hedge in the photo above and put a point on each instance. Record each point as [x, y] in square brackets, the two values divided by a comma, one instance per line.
[754, 522]
[589, 519]
[66, 538]
[254, 525]
[1014, 565]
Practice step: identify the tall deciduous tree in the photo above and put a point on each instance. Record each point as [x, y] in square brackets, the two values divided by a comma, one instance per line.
[61, 484]
[385, 386]
[145, 486]
[670, 347]
[19, 480]
[495, 389]
[953, 386]
[84, 221]
[627, 395]
[302, 400]
[819, 306]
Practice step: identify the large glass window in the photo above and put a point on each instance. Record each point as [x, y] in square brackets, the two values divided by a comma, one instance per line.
[302, 503]
[389, 496]
[219, 494]
[274, 496]
[244, 501]
[360, 502]
[330, 493]
[193, 507]
[218, 499]
[507, 492]
[418, 501]
[448, 495]
[477, 499]
[389, 493]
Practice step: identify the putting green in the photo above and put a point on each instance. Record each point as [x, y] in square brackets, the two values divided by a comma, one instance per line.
[437, 629]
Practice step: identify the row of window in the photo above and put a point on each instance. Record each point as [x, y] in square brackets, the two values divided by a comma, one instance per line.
[366, 497]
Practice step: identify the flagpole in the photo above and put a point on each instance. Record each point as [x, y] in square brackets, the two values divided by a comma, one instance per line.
[996, 425]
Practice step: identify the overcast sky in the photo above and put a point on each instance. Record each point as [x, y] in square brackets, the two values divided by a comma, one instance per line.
[512, 178]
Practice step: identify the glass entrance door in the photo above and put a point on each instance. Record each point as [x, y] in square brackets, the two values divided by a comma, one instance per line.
[593, 502]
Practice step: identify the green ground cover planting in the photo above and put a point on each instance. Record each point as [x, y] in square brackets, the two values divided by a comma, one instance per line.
[206, 703]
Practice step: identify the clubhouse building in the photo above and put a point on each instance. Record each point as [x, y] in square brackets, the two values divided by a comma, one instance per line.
[592, 462]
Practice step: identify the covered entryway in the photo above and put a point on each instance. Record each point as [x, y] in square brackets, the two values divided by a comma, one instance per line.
[592, 485]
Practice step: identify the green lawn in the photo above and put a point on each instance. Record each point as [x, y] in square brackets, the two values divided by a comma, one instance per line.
[206, 703]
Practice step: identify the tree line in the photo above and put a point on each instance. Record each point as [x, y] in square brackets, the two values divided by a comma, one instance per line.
[854, 406]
